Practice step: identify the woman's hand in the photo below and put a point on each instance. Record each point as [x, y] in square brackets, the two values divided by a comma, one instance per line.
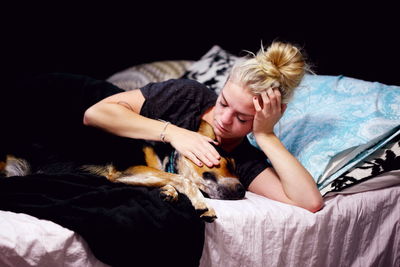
[269, 110]
[193, 145]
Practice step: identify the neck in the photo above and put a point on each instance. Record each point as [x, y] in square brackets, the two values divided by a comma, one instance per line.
[229, 144]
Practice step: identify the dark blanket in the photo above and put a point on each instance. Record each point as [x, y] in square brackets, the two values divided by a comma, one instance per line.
[123, 225]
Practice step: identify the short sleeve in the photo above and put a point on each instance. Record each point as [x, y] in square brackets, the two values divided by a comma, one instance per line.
[249, 162]
[180, 101]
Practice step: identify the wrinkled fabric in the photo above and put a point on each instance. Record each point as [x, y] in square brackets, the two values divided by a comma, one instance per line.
[123, 225]
[351, 230]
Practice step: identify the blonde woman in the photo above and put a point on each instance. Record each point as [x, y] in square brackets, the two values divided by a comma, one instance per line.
[252, 100]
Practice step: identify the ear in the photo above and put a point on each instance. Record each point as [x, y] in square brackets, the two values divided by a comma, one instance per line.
[206, 129]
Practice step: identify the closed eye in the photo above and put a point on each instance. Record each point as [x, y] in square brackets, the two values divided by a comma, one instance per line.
[241, 120]
[223, 104]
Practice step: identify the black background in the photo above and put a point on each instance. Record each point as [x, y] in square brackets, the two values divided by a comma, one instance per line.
[99, 39]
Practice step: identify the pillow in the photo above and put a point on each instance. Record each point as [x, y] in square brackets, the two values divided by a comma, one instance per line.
[212, 69]
[332, 114]
[383, 160]
[140, 75]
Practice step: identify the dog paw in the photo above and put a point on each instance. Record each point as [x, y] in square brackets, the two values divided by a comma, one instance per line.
[209, 215]
[205, 211]
[169, 193]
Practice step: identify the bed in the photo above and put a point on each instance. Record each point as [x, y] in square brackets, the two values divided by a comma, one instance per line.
[355, 161]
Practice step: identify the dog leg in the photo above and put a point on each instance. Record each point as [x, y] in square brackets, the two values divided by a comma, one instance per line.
[150, 177]
[169, 193]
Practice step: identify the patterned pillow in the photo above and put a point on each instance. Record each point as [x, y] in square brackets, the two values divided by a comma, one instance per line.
[140, 75]
[386, 159]
[212, 69]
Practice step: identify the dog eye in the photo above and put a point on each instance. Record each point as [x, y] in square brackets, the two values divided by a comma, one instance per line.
[209, 176]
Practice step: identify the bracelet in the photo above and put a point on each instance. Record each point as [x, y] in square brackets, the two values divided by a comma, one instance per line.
[162, 134]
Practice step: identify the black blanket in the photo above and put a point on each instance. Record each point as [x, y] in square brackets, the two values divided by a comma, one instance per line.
[123, 225]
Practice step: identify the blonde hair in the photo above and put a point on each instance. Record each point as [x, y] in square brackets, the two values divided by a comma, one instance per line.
[281, 66]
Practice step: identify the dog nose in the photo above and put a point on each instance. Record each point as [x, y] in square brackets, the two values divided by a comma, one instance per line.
[234, 192]
[240, 191]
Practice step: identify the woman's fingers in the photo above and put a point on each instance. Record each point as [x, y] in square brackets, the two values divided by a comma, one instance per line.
[266, 103]
[283, 108]
[256, 103]
[194, 159]
[210, 153]
[274, 96]
[201, 151]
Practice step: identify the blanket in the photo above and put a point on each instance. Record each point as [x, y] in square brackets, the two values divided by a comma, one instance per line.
[123, 225]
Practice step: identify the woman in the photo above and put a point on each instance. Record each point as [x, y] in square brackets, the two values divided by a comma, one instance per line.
[252, 100]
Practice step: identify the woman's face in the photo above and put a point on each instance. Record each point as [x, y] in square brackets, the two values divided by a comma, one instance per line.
[234, 112]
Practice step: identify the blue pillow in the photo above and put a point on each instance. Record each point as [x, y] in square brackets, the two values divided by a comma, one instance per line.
[330, 114]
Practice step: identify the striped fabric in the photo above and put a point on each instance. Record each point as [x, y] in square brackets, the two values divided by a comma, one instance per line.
[139, 75]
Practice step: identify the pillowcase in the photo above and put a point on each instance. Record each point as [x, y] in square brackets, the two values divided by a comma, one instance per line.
[139, 75]
[330, 115]
[212, 69]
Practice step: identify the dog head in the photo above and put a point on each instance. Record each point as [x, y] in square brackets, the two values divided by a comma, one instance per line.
[219, 182]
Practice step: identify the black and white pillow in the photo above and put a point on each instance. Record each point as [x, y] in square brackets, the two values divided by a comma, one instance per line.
[383, 166]
[212, 69]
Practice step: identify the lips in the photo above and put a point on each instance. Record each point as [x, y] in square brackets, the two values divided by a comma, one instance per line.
[222, 129]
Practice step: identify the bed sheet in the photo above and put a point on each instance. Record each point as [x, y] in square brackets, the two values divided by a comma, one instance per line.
[27, 241]
[353, 229]
[359, 229]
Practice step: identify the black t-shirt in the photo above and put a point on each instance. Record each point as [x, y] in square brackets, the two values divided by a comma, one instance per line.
[67, 96]
[182, 102]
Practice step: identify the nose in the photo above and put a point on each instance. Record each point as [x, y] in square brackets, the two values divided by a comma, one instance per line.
[240, 191]
[235, 192]
[226, 117]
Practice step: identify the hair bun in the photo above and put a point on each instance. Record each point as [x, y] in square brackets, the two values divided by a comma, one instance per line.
[280, 65]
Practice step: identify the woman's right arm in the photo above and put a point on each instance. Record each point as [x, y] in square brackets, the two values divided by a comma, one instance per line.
[119, 114]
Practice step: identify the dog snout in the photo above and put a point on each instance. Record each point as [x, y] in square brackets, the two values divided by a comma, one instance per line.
[236, 191]
[240, 190]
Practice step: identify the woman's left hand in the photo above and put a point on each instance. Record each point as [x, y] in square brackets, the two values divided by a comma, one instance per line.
[269, 109]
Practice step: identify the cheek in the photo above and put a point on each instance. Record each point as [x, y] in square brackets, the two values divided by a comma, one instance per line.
[243, 129]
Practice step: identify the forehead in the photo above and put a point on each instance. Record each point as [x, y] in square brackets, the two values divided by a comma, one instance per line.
[238, 98]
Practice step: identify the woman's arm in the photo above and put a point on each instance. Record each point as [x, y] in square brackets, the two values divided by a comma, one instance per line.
[119, 114]
[288, 181]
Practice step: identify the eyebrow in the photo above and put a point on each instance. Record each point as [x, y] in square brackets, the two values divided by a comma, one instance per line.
[239, 113]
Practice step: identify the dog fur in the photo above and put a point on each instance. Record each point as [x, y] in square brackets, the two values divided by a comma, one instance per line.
[218, 182]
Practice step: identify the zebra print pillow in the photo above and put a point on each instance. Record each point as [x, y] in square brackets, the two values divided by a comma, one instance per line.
[212, 69]
[384, 160]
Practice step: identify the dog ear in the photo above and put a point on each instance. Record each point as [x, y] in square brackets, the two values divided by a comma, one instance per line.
[206, 129]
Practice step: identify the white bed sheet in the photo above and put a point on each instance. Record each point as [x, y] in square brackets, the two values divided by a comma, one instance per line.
[27, 241]
[361, 229]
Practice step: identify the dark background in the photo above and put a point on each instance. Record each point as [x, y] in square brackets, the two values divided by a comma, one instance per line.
[99, 39]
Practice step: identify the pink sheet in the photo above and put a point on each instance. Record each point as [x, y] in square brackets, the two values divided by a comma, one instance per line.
[28, 241]
[361, 229]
